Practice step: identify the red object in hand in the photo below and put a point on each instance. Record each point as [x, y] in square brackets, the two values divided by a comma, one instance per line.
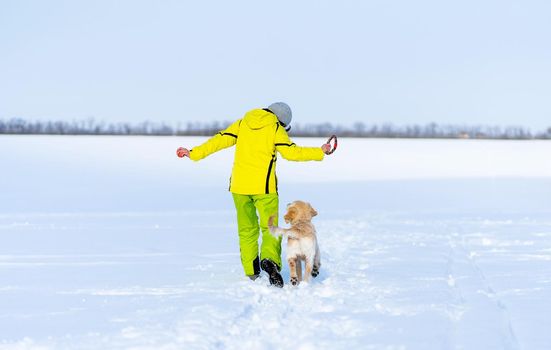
[328, 148]
[182, 152]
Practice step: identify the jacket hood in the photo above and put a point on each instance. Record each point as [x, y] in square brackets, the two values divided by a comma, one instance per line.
[259, 118]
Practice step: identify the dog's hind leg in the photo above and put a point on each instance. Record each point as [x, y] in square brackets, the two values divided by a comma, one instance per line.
[293, 262]
[317, 262]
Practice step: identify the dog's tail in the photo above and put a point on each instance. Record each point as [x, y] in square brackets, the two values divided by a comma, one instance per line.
[273, 228]
[278, 231]
[271, 222]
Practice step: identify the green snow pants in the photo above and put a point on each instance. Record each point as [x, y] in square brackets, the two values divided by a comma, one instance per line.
[249, 227]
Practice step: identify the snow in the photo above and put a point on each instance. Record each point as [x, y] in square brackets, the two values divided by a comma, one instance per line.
[114, 243]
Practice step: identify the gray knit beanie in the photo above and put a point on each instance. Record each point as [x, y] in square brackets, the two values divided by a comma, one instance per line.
[282, 111]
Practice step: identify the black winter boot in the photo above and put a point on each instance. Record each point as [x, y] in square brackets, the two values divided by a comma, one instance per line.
[273, 271]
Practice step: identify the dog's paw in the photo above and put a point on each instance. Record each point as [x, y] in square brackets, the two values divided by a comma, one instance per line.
[294, 281]
[315, 272]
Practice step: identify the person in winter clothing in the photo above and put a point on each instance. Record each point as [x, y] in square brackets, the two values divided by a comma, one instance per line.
[258, 137]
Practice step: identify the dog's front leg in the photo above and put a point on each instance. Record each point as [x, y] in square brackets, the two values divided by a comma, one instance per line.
[299, 269]
[293, 270]
[317, 262]
[308, 267]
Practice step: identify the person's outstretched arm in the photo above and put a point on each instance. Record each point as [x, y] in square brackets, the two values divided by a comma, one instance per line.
[221, 140]
[290, 151]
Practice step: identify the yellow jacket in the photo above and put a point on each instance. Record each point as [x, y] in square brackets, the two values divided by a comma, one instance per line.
[257, 136]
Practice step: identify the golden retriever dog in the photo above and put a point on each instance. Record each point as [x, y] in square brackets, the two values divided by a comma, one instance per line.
[302, 244]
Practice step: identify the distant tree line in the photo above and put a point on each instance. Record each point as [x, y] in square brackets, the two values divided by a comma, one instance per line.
[359, 129]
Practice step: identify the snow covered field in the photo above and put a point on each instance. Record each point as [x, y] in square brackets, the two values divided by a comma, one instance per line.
[115, 243]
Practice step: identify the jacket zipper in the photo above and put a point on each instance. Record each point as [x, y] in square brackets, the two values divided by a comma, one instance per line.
[268, 175]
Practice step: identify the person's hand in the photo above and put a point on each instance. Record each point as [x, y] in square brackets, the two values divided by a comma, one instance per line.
[326, 148]
[182, 152]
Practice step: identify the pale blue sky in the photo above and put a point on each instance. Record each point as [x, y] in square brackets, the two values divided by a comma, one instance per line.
[460, 62]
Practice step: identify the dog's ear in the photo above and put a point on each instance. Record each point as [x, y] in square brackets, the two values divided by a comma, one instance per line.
[313, 211]
[291, 214]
